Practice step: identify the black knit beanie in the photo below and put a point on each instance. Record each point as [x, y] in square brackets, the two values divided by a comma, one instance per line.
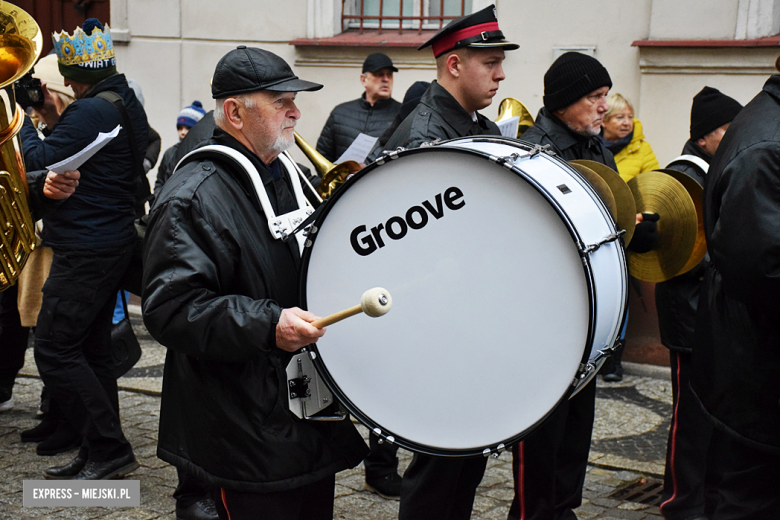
[572, 76]
[711, 109]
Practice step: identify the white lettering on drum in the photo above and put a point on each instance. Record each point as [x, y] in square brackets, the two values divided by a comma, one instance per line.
[396, 227]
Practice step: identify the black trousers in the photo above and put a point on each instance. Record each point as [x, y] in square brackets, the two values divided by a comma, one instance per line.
[549, 466]
[747, 481]
[13, 337]
[190, 489]
[440, 487]
[382, 459]
[72, 345]
[310, 502]
[686, 451]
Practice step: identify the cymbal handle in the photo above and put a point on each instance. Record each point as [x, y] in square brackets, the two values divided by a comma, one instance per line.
[336, 317]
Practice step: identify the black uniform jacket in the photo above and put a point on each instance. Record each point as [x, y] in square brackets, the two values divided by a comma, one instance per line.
[737, 345]
[438, 116]
[548, 129]
[676, 299]
[215, 283]
[352, 118]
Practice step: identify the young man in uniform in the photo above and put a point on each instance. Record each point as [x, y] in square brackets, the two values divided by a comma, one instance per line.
[469, 55]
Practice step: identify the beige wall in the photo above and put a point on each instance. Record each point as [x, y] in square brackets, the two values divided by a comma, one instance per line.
[174, 45]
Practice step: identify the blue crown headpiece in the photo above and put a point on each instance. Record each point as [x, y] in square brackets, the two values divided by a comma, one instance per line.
[95, 50]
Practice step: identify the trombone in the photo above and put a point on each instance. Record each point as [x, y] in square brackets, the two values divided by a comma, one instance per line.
[331, 175]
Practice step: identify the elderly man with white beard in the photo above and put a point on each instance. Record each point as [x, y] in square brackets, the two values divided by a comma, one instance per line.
[221, 292]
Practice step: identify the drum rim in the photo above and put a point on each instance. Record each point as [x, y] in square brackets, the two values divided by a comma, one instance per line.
[334, 387]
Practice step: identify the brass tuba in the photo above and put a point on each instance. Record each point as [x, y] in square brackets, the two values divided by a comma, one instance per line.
[20, 45]
[510, 107]
[331, 175]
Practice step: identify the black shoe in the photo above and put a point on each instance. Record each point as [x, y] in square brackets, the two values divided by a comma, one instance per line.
[386, 486]
[110, 469]
[64, 438]
[203, 509]
[614, 377]
[41, 432]
[69, 470]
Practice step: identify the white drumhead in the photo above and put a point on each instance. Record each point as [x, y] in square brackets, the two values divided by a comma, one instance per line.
[491, 305]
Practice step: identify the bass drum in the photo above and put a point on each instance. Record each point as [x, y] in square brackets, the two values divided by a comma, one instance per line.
[502, 303]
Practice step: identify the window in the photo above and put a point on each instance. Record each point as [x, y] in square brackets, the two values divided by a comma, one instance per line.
[401, 15]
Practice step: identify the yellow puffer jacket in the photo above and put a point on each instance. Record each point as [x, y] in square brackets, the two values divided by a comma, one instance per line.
[637, 157]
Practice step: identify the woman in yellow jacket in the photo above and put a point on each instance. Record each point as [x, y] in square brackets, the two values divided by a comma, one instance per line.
[622, 134]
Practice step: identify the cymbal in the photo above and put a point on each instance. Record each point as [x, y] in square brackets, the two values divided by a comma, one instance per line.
[657, 192]
[624, 199]
[696, 192]
[598, 184]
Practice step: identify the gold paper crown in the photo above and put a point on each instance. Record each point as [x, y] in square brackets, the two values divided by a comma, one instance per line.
[82, 48]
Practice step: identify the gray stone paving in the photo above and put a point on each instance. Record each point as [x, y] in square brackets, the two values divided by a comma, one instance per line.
[629, 442]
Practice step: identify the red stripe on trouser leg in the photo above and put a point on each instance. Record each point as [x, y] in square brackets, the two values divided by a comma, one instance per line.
[521, 479]
[224, 501]
[674, 439]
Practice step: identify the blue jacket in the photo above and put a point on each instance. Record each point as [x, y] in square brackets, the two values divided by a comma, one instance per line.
[100, 214]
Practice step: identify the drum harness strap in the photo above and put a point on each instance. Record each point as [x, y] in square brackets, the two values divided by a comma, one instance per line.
[282, 226]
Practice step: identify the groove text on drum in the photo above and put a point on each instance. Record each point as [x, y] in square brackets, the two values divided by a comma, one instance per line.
[397, 227]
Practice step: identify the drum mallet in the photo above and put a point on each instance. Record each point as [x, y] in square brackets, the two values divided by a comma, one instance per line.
[374, 302]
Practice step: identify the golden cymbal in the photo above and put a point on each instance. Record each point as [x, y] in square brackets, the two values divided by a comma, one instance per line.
[599, 184]
[657, 192]
[696, 192]
[624, 199]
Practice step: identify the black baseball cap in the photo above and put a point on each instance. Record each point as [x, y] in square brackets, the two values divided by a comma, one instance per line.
[249, 69]
[378, 61]
[478, 30]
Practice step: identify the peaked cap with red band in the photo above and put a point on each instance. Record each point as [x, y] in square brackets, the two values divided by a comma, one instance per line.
[479, 30]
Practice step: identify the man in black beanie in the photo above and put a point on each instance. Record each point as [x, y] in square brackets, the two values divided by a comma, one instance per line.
[549, 466]
[676, 301]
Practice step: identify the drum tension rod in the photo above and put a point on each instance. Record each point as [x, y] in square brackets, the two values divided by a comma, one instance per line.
[513, 158]
[389, 154]
[609, 238]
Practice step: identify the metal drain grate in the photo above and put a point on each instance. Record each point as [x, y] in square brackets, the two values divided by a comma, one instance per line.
[644, 491]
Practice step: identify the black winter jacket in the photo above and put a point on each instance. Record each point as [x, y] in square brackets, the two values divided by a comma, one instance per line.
[438, 116]
[548, 129]
[352, 118]
[676, 299]
[215, 284]
[100, 214]
[736, 357]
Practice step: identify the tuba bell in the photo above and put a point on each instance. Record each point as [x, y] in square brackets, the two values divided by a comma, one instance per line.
[511, 107]
[332, 175]
[20, 45]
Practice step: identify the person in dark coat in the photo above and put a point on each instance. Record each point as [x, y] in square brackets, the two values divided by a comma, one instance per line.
[468, 72]
[676, 301]
[221, 292]
[92, 237]
[370, 114]
[736, 359]
[46, 191]
[549, 466]
[187, 118]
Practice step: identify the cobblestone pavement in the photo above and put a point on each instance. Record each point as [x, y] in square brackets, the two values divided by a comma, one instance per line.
[627, 453]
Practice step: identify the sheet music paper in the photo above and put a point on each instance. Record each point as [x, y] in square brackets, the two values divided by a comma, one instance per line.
[509, 127]
[74, 161]
[359, 149]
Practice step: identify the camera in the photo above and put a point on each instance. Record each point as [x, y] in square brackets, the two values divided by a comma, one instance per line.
[28, 90]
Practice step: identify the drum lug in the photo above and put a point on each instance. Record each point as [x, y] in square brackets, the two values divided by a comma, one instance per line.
[381, 439]
[609, 238]
[389, 154]
[495, 452]
[307, 394]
